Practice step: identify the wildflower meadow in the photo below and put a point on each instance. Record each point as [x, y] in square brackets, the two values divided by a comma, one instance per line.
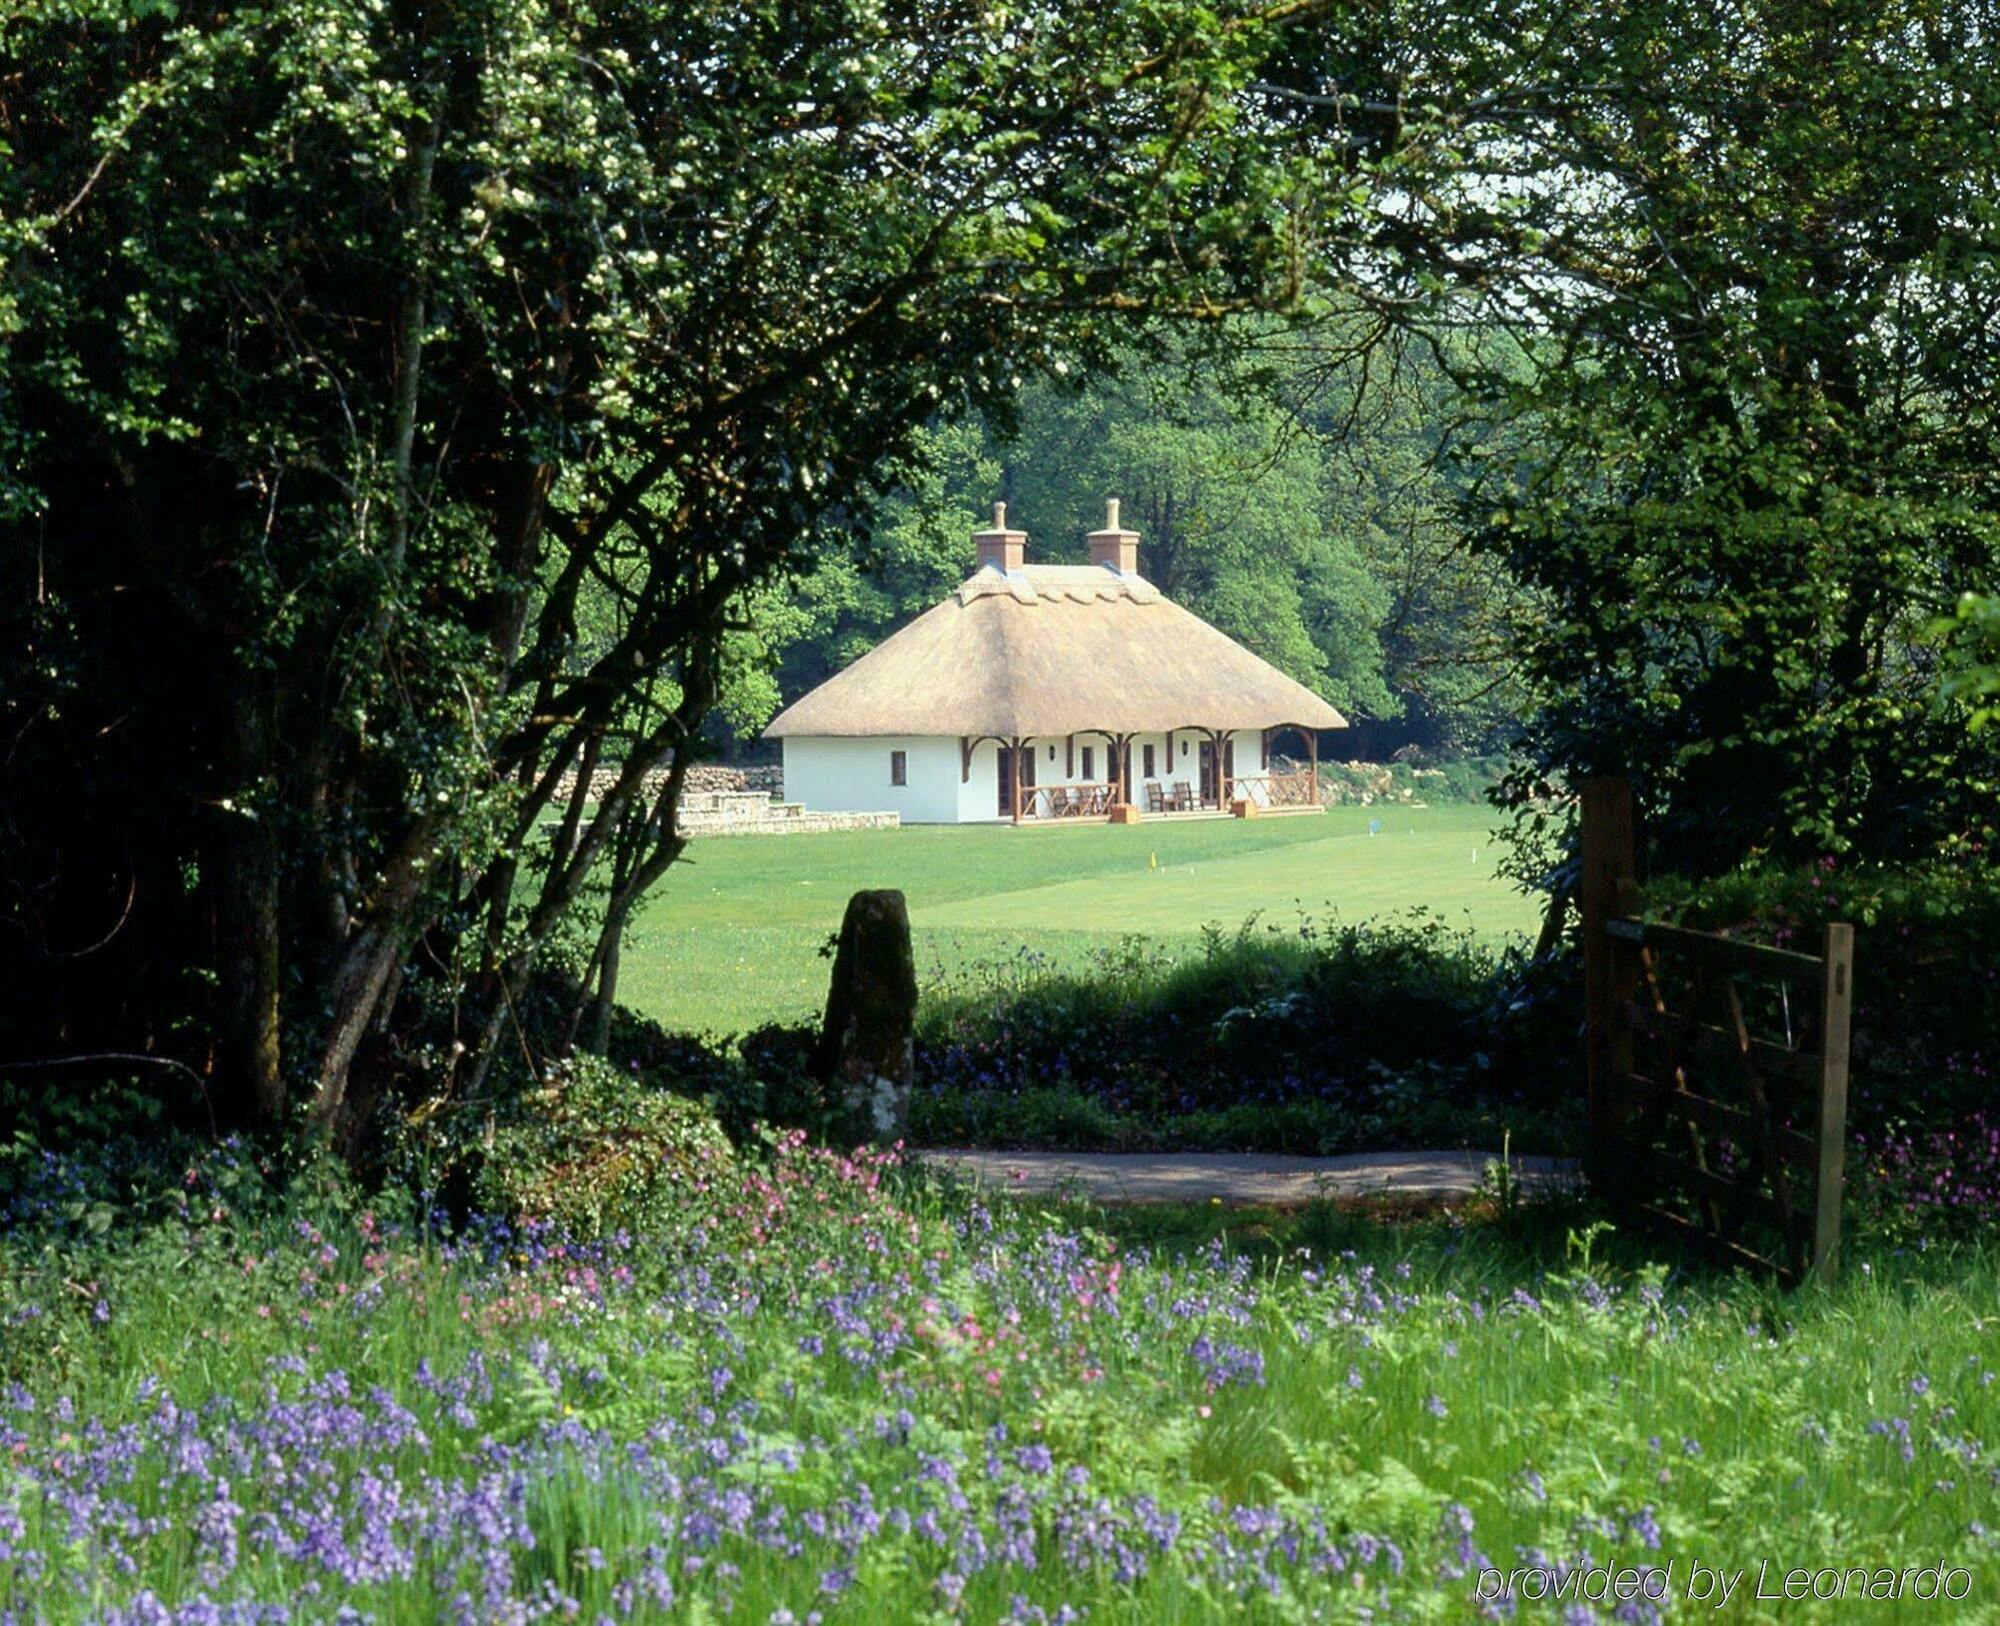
[837, 1388]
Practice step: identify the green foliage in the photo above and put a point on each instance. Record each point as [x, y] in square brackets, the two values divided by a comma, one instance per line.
[1327, 1037]
[1974, 679]
[65, 1195]
[401, 410]
[914, 554]
[594, 1151]
[1229, 499]
[1754, 449]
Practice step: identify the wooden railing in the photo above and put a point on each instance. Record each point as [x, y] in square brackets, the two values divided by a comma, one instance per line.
[1087, 801]
[1276, 789]
[1094, 801]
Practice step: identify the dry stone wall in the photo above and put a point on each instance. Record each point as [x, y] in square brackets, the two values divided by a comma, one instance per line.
[752, 813]
[718, 801]
[767, 779]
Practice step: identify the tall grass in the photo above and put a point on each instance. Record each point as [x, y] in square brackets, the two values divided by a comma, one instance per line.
[826, 1385]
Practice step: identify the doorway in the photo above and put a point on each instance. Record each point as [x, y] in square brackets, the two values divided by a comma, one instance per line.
[1005, 759]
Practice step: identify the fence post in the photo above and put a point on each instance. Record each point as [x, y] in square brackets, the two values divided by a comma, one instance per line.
[1607, 874]
[1836, 1007]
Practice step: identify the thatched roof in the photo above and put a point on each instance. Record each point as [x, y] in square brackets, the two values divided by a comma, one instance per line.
[1054, 649]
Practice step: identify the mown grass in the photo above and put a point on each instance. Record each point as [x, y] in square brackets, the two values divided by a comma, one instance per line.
[732, 937]
[828, 1387]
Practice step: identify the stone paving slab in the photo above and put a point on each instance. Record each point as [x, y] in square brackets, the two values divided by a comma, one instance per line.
[1244, 1177]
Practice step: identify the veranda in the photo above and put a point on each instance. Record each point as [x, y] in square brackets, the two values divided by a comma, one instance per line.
[1152, 782]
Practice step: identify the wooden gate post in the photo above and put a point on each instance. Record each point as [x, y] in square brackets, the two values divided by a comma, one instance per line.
[1607, 879]
[1836, 1006]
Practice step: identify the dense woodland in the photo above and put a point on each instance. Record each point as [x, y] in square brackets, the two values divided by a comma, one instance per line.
[405, 409]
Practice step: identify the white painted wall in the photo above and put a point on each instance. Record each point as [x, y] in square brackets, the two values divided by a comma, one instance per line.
[852, 775]
[841, 775]
[979, 796]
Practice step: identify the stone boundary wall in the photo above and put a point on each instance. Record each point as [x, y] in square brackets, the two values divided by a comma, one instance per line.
[767, 779]
[716, 802]
[752, 813]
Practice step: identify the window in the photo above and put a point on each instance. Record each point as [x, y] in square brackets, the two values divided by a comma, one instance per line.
[1146, 761]
[1089, 763]
[899, 768]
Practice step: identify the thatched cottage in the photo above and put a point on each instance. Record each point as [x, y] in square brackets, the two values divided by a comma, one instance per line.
[1039, 692]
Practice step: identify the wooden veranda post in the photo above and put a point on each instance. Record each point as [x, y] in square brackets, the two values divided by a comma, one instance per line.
[1014, 780]
[1610, 974]
[1312, 762]
[1836, 1007]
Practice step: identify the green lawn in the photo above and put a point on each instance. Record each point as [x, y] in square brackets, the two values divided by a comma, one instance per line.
[732, 937]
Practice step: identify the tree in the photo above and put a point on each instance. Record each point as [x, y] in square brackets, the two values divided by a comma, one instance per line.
[1385, 417]
[401, 404]
[1747, 257]
[1972, 676]
[913, 554]
[1228, 497]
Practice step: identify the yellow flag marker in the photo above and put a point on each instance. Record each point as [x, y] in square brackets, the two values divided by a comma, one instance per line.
[1152, 860]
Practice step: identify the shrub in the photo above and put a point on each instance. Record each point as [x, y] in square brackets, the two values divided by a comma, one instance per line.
[1926, 1022]
[594, 1151]
[1924, 1158]
[1300, 1039]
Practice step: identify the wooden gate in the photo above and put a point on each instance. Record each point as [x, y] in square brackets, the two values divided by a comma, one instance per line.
[1718, 1068]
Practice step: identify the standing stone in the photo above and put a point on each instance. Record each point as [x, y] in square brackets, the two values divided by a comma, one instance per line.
[866, 1051]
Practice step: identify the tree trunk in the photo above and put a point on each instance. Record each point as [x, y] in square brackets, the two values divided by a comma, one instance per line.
[364, 975]
[597, 1031]
[253, 1083]
[367, 970]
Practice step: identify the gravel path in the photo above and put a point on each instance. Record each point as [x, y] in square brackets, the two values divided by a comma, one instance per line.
[1243, 1177]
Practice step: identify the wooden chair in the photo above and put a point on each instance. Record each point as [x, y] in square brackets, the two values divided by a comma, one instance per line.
[1059, 802]
[1156, 798]
[1182, 800]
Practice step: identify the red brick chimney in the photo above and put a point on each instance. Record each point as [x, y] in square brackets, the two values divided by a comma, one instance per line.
[1113, 547]
[999, 547]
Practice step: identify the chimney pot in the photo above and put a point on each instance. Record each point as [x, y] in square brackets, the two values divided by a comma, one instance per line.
[999, 547]
[1114, 547]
